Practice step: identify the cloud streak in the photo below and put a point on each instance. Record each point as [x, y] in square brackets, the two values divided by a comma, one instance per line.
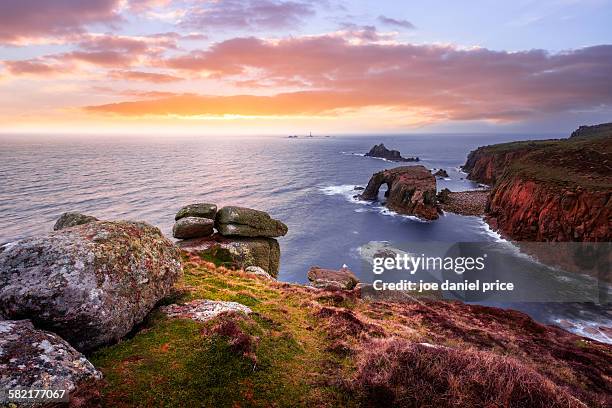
[247, 14]
[396, 22]
[31, 20]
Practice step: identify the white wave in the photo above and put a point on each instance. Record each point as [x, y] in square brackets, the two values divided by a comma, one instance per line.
[490, 232]
[7, 245]
[349, 193]
[585, 328]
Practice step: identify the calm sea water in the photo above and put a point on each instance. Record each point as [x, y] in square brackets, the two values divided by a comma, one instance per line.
[307, 183]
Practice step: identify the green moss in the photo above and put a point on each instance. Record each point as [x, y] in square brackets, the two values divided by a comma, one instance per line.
[177, 362]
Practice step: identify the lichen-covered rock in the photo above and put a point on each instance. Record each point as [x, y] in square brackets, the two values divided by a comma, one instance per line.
[203, 210]
[193, 227]
[247, 222]
[411, 190]
[90, 283]
[236, 252]
[36, 359]
[323, 278]
[203, 310]
[71, 219]
[256, 270]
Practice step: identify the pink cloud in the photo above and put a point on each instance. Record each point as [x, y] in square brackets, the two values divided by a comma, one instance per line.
[458, 83]
[143, 76]
[23, 20]
[31, 67]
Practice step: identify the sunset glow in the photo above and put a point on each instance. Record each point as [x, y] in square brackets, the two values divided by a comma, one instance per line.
[262, 66]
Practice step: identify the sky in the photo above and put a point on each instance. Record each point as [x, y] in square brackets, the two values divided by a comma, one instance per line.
[293, 66]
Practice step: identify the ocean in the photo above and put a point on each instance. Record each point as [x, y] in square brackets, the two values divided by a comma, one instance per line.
[308, 183]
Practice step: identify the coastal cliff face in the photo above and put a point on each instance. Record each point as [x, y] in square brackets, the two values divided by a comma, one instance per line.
[550, 190]
[528, 210]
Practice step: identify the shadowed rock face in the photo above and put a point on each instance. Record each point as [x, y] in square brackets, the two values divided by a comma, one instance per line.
[192, 227]
[90, 283]
[237, 252]
[411, 190]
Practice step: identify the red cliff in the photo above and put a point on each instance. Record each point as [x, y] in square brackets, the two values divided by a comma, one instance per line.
[551, 190]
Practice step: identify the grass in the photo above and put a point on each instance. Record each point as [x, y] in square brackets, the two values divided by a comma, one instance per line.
[304, 347]
[176, 362]
[568, 163]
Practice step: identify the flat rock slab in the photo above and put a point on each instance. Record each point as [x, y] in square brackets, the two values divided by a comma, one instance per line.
[36, 359]
[203, 210]
[247, 222]
[203, 310]
[193, 227]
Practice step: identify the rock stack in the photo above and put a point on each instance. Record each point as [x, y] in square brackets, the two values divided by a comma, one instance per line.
[244, 237]
[194, 221]
[411, 191]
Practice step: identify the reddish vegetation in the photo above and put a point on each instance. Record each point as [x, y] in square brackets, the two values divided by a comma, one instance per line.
[397, 372]
[227, 325]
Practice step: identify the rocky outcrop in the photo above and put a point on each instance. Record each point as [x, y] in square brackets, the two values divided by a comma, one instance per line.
[71, 219]
[549, 190]
[90, 283]
[36, 359]
[411, 191]
[247, 222]
[441, 173]
[236, 252]
[381, 152]
[342, 279]
[193, 227]
[201, 210]
[592, 131]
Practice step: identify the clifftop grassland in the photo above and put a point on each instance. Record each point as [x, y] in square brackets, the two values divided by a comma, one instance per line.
[584, 160]
[311, 347]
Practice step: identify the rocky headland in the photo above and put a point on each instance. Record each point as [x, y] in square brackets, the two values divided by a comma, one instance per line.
[161, 326]
[381, 152]
[549, 190]
[411, 190]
